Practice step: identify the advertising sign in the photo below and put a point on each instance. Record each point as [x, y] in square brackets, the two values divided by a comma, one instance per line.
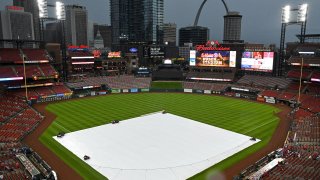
[134, 90]
[115, 91]
[257, 61]
[216, 58]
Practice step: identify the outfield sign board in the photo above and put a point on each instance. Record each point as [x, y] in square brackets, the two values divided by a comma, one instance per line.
[115, 90]
[134, 90]
[270, 100]
[188, 90]
[145, 90]
[125, 90]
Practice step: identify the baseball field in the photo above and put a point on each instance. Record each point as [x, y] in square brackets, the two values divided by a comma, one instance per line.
[244, 117]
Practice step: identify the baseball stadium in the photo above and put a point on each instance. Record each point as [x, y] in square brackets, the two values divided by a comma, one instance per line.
[141, 112]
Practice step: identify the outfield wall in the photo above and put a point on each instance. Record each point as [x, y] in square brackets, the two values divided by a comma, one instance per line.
[228, 92]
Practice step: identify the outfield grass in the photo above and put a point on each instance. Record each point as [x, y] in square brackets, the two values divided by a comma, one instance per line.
[166, 85]
[249, 118]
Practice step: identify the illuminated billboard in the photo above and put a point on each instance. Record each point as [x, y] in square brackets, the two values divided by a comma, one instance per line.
[257, 61]
[114, 54]
[96, 53]
[154, 52]
[215, 58]
[192, 58]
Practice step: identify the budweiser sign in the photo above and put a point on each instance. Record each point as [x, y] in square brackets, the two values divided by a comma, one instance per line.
[212, 46]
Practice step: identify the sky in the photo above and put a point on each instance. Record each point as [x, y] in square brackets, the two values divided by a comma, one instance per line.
[261, 21]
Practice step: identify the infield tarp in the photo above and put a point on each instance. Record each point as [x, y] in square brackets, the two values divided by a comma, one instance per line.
[154, 147]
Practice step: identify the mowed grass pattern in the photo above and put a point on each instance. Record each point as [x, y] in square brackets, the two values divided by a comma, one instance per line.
[249, 118]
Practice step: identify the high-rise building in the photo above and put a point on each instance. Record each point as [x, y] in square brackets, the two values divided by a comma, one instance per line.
[170, 33]
[53, 32]
[232, 27]
[106, 33]
[31, 6]
[76, 25]
[90, 33]
[16, 24]
[137, 21]
[119, 21]
[193, 34]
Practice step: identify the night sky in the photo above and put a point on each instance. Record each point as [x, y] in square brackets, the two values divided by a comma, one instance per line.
[261, 22]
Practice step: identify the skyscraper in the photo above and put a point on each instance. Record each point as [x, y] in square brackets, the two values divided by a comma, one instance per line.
[76, 25]
[119, 11]
[53, 32]
[32, 7]
[170, 33]
[16, 24]
[193, 34]
[232, 27]
[137, 21]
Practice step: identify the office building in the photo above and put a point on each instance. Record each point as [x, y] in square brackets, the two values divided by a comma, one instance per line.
[170, 33]
[76, 25]
[31, 6]
[16, 24]
[53, 32]
[232, 27]
[193, 34]
[136, 21]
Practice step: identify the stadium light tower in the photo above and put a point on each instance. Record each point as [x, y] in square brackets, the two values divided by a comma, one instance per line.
[43, 10]
[286, 14]
[43, 14]
[302, 18]
[288, 18]
[61, 16]
[60, 11]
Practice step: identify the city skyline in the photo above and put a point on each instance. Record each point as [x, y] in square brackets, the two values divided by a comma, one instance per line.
[261, 21]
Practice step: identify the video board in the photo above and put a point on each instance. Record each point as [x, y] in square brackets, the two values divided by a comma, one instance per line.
[257, 61]
[215, 58]
[116, 54]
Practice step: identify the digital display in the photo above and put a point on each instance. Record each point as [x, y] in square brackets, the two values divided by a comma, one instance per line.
[192, 58]
[114, 54]
[257, 61]
[96, 53]
[215, 58]
[154, 52]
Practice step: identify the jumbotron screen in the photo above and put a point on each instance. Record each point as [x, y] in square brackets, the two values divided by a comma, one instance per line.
[216, 58]
[257, 61]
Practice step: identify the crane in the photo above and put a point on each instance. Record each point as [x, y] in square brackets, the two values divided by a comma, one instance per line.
[200, 9]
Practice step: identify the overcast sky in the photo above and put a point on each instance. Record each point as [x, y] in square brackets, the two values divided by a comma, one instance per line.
[261, 22]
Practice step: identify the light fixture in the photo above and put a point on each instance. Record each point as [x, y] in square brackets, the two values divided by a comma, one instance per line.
[286, 14]
[43, 8]
[60, 11]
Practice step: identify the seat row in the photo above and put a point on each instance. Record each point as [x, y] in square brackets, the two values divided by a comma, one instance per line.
[18, 126]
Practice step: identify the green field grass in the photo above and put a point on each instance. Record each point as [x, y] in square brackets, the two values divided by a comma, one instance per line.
[166, 85]
[249, 118]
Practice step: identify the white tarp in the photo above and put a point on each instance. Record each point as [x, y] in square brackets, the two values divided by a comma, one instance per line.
[154, 147]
